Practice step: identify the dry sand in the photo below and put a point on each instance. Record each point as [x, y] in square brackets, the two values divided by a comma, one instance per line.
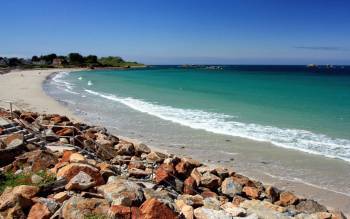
[24, 88]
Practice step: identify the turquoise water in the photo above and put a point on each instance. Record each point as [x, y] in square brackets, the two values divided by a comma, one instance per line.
[296, 109]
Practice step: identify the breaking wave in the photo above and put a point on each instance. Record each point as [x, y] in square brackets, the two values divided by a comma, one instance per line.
[297, 139]
[57, 79]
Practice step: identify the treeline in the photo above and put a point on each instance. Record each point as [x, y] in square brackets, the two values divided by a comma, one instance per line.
[71, 60]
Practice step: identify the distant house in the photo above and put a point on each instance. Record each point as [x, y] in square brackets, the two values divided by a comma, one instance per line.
[57, 62]
[40, 62]
[3, 62]
[26, 61]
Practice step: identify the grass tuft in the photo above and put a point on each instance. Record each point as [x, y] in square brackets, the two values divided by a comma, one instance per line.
[96, 216]
[11, 180]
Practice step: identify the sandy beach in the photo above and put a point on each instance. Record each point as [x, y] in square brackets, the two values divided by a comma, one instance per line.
[25, 89]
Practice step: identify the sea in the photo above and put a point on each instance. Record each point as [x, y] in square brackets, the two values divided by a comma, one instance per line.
[289, 122]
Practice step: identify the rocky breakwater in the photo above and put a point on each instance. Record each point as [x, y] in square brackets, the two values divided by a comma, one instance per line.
[85, 172]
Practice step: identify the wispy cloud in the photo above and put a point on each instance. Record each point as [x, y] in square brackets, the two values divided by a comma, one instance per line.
[325, 48]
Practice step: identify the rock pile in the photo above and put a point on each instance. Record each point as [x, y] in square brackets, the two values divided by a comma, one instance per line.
[97, 175]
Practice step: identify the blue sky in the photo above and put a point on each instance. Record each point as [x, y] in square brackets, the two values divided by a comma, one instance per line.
[181, 31]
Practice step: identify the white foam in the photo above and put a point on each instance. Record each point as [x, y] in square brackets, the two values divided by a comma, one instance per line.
[63, 85]
[89, 83]
[223, 124]
[72, 92]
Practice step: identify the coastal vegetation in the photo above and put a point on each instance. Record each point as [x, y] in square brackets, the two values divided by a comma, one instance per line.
[115, 61]
[70, 60]
[11, 179]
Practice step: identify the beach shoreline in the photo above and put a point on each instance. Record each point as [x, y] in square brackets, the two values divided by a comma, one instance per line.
[24, 87]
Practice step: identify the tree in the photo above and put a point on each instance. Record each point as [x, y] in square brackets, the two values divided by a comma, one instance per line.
[75, 59]
[14, 62]
[62, 57]
[35, 59]
[48, 58]
[91, 59]
[114, 61]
